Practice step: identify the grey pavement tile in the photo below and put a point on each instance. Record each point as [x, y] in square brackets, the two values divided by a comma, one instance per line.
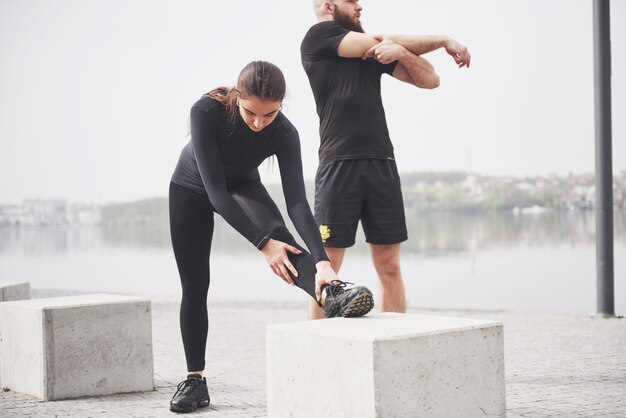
[555, 365]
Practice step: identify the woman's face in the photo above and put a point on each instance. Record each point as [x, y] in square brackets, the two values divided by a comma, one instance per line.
[258, 113]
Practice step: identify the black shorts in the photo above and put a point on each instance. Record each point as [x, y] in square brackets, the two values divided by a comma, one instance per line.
[368, 190]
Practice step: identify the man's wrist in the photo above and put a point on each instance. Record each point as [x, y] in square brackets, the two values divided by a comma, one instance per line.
[404, 54]
[445, 41]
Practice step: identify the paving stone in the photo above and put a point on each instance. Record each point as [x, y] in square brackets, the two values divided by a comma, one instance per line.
[555, 364]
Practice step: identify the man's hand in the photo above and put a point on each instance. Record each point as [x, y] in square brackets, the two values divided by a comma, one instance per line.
[411, 68]
[458, 52]
[387, 51]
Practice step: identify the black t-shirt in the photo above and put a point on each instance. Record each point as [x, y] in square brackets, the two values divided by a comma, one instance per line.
[218, 158]
[347, 95]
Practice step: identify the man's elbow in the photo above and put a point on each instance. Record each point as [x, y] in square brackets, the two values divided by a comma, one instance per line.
[431, 83]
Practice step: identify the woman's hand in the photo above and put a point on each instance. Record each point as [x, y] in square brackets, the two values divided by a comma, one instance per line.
[325, 275]
[275, 253]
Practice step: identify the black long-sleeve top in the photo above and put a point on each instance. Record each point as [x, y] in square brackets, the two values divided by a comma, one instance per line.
[218, 157]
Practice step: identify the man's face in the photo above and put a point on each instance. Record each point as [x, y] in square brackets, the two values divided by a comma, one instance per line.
[348, 14]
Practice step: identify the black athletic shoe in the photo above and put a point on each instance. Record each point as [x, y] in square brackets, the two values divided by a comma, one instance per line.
[190, 395]
[356, 301]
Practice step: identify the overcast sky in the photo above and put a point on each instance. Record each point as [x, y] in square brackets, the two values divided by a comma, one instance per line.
[95, 95]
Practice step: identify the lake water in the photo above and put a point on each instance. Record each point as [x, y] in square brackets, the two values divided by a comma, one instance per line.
[538, 262]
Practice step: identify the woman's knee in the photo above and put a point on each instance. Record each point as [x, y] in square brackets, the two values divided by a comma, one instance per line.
[195, 289]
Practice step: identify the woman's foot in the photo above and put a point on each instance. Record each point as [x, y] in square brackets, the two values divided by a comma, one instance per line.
[349, 303]
[190, 395]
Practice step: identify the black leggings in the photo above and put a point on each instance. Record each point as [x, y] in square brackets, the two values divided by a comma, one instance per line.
[191, 227]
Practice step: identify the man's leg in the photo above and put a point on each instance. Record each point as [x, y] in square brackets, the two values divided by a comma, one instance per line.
[386, 260]
[385, 228]
[336, 259]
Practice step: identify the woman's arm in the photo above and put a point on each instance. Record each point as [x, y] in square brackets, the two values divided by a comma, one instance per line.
[211, 170]
[290, 163]
[204, 140]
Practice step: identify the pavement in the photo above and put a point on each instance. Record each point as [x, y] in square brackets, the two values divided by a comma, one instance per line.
[556, 364]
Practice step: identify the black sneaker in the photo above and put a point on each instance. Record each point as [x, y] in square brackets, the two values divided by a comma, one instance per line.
[190, 395]
[356, 301]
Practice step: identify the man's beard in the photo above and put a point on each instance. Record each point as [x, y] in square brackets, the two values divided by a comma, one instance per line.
[346, 21]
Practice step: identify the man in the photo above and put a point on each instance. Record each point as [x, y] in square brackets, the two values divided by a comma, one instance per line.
[357, 178]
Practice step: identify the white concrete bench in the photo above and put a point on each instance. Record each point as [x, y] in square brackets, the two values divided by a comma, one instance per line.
[14, 291]
[76, 346]
[386, 365]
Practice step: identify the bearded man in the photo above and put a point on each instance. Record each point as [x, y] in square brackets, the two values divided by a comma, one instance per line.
[357, 178]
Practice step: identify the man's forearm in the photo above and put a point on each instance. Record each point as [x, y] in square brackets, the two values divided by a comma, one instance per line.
[420, 71]
[420, 44]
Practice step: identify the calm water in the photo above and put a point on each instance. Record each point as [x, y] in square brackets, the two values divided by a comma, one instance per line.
[541, 262]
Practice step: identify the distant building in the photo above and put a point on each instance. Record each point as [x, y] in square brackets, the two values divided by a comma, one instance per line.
[48, 212]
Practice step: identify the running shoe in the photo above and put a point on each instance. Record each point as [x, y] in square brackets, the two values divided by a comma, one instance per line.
[190, 395]
[349, 303]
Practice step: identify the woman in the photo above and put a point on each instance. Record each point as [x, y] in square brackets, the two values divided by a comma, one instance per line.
[233, 130]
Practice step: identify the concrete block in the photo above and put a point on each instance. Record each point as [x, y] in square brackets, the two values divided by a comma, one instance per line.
[386, 365]
[76, 346]
[14, 291]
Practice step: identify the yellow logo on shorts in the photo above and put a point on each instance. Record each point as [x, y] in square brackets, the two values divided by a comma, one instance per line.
[324, 232]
